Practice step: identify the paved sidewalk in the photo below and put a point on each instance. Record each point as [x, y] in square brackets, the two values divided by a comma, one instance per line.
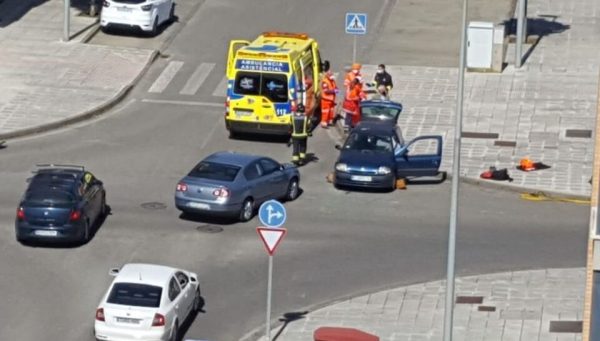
[524, 306]
[545, 111]
[45, 82]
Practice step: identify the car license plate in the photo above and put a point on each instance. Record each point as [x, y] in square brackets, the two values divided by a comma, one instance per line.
[123, 9]
[199, 205]
[46, 233]
[240, 113]
[127, 320]
[361, 178]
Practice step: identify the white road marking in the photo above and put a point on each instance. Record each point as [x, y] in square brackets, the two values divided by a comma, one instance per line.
[192, 103]
[221, 89]
[166, 76]
[197, 78]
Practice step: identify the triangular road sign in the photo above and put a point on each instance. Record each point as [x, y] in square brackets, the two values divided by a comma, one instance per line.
[356, 24]
[271, 237]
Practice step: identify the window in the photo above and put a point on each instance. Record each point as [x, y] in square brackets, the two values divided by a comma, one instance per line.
[382, 113]
[253, 171]
[49, 198]
[269, 166]
[174, 289]
[272, 86]
[183, 279]
[138, 295]
[214, 171]
[130, 1]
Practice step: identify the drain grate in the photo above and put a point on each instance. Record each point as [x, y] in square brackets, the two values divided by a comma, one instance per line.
[209, 229]
[500, 143]
[154, 205]
[486, 308]
[583, 133]
[469, 299]
[566, 326]
[475, 135]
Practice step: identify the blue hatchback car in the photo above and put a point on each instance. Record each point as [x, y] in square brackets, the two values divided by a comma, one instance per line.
[235, 184]
[374, 155]
[61, 203]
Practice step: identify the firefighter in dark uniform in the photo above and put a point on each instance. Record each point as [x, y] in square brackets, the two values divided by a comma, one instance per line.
[300, 133]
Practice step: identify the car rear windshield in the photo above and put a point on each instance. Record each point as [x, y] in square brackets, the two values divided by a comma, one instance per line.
[49, 197]
[129, 1]
[383, 113]
[132, 294]
[271, 85]
[370, 142]
[214, 171]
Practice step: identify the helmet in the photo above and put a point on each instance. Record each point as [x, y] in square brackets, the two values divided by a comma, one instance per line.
[356, 66]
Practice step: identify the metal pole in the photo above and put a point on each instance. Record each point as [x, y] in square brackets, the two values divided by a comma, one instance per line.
[525, 22]
[354, 50]
[66, 20]
[519, 42]
[449, 307]
[269, 288]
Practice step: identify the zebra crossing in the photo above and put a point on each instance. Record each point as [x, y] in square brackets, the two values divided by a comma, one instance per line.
[195, 80]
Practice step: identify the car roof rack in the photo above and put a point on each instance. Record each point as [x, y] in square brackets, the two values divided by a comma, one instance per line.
[57, 166]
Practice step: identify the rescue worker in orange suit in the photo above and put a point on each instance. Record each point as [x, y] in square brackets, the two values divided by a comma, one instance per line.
[351, 105]
[300, 134]
[328, 95]
[353, 73]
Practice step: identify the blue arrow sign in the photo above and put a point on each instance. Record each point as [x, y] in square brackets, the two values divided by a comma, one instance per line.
[272, 214]
[356, 23]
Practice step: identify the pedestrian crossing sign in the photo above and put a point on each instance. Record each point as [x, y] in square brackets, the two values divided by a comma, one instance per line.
[356, 23]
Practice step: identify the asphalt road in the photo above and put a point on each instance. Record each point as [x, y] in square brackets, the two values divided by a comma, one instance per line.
[339, 243]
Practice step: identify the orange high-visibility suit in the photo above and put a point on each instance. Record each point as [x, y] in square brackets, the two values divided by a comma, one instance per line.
[330, 89]
[353, 73]
[351, 103]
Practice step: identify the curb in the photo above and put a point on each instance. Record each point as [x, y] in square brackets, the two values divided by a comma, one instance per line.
[87, 114]
[498, 185]
[257, 333]
[91, 33]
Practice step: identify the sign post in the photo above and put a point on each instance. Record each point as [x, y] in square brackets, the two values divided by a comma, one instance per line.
[272, 214]
[356, 24]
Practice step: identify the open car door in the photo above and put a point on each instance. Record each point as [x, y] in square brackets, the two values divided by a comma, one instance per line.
[234, 45]
[420, 157]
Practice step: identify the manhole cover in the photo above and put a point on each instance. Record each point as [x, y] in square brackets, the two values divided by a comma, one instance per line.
[469, 299]
[209, 229]
[566, 326]
[154, 206]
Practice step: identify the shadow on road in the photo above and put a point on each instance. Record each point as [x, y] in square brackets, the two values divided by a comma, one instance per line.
[286, 319]
[537, 28]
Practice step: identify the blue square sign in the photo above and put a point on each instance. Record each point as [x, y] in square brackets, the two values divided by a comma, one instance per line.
[356, 23]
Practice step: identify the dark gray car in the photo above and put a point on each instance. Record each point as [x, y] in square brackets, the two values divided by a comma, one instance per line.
[235, 184]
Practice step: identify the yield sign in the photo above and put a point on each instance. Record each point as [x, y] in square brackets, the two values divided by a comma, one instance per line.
[271, 237]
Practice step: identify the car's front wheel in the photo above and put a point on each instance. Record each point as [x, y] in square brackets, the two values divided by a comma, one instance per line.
[154, 31]
[175, 333]
[247, 210]
[197, 301]
[293, 190]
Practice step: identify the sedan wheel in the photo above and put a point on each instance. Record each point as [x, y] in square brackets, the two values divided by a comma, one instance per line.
[86, 232]
[154, 31]
[293, 190]
[197, 299]
[247, 210]
[174, 334]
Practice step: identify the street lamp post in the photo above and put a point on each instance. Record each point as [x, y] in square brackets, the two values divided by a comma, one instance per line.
[449, 307]
[66, 21]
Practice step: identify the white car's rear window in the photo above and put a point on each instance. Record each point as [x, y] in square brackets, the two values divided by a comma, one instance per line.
[132, 294]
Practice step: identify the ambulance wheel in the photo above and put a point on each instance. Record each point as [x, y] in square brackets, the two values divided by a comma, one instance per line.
[233, 135]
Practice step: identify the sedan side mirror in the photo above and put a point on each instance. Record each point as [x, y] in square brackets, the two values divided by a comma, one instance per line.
[338, 147]
[113, 272]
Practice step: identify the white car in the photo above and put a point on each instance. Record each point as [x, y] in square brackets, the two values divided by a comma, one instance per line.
[147, 302]
[146, 15]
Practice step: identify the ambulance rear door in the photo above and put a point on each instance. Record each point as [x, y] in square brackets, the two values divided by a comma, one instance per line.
[308, 81]
[234, 46]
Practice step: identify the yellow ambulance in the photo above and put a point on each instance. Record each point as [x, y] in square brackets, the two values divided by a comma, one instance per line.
[267, 79]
